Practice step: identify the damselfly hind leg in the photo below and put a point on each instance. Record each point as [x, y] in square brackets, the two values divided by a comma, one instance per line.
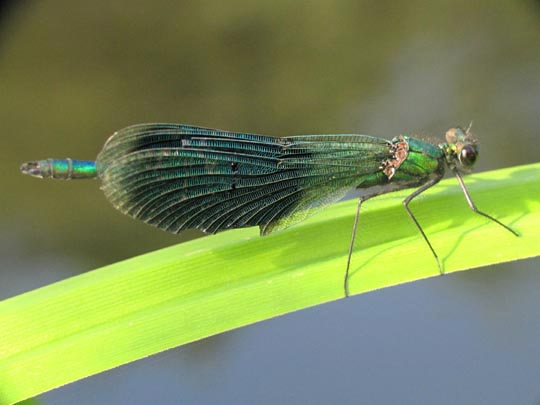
[351, 246]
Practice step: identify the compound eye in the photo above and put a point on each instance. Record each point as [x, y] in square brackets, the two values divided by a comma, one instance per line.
[468, 155]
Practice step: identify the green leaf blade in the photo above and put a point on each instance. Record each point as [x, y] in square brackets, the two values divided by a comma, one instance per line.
[126, 311]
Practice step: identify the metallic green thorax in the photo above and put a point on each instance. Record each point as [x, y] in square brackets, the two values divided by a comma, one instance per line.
[423, 161]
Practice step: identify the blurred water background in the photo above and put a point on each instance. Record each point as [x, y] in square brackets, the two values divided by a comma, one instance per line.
[71, 73]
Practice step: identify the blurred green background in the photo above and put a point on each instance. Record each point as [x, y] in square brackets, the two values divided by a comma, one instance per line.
[71, 73]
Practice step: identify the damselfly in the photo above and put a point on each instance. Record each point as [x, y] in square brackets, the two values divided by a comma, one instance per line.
[178, 177]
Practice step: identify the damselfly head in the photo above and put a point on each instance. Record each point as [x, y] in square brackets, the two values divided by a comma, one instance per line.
[461, 148]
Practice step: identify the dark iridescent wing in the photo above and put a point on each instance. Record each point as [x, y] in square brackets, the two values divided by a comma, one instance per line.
[178, 177]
